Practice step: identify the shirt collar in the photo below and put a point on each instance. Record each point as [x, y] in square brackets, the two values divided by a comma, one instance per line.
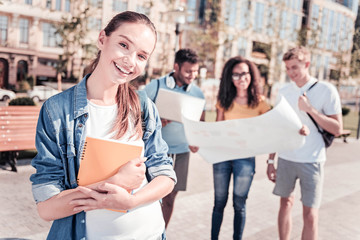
[307, 85]
[80, 97]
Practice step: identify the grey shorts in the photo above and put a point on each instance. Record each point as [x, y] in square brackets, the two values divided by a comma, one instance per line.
[181, 167]
[310, 175]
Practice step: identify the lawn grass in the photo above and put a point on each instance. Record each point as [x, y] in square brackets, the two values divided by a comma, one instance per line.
[350, 122]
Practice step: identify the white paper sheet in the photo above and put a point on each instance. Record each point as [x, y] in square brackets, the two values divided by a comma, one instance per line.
[171, 104]
[274, 131]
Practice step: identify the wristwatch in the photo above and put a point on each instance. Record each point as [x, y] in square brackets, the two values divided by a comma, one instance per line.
[270, 161]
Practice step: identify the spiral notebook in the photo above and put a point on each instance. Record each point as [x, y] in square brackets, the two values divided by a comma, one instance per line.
[102, 158]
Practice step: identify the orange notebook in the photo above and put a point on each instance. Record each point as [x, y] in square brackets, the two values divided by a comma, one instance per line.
[102, 158]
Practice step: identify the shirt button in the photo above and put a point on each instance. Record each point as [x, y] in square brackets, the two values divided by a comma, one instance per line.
[83, 221]
[80, 125]
[85, 115]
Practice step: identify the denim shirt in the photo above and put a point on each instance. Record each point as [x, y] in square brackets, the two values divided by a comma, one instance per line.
[60, 136]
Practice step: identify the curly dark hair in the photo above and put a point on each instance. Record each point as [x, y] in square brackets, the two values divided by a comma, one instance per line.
[227, 89]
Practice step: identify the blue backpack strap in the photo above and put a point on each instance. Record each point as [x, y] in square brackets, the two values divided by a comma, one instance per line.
[157, 88]
[142, 98]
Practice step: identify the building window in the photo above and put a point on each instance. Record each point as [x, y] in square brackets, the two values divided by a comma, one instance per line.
[120, 5]
[48, 4]
[230, 13]
[315, 30]
[94, 24]
[28, 2]
[271, 20]
[294, 27]
[324, 21]
[326, 67]
[228, 47]
[50, 39]
[242, 45]
[58, 5]
[349, 27]
[67, 5]
[330, 34]
[337, 30]
[95, 3]
[3, 29]
[191, 9]
[259, 17]
[143, 10]
[283, 25]
[244, 14]
[24, 30]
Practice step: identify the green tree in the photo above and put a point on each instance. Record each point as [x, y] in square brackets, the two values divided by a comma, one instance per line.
[355, 54]
[206, 39]
[73, 30]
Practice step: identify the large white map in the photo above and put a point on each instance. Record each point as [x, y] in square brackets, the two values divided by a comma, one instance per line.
[171, 105]
[275, 131]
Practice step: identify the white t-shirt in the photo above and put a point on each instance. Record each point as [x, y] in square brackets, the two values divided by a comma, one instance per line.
[144, 222]
[325, 99]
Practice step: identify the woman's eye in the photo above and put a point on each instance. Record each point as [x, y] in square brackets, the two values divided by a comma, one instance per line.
[143, 57]
[123, 45]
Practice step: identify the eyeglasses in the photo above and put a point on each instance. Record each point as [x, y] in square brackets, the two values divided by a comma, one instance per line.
[238, 76]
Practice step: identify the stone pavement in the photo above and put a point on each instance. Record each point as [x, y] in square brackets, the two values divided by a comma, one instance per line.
[339, 214]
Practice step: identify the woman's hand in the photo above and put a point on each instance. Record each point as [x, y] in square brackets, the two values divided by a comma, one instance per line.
[106, 195]
[131, 175]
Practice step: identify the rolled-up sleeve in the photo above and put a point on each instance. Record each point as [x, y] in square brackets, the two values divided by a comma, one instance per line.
[48, 180]
[158, 163]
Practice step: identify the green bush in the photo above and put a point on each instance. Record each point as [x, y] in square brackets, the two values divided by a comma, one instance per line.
[345, 111]
[24, 86]
[22, 101]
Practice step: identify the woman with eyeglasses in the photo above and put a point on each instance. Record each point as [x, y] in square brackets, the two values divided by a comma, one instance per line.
[238, 97]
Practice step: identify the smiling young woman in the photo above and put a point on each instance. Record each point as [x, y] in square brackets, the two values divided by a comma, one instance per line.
[238, 97]
[103, 105]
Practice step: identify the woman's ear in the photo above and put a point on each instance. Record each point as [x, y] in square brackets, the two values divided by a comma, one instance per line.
[101, 40]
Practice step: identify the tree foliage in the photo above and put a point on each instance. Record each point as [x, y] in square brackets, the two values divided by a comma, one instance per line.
[355, 54]
[205, 39]
[73, 30]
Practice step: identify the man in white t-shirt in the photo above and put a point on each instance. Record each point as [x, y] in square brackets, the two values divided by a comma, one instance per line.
[306, 163]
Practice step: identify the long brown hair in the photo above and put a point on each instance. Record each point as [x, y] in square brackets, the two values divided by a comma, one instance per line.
[126, 98]
[227, 89]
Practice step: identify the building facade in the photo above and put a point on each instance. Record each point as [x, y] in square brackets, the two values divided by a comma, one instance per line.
[263, 30]
[260, 30]
[29, 47]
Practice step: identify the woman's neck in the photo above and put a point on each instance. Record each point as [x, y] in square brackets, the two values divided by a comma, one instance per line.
[241, 94]
[99, 91]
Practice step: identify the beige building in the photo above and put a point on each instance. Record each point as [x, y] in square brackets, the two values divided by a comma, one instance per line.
[263, 31]
[29, 46]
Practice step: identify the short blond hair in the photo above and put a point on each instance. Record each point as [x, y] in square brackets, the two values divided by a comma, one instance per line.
[300, 53]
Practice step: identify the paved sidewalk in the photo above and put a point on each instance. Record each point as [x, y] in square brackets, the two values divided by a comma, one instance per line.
[339, 214]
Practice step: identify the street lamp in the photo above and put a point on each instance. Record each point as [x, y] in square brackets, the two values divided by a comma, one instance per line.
[180, 18]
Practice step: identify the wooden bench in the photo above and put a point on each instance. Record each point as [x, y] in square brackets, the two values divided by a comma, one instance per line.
[17, 132]
[345, 133]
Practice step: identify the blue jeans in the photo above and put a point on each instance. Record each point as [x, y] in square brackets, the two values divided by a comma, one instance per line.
[243, 172]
